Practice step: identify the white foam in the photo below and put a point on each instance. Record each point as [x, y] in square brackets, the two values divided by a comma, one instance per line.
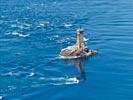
[27, 25]
[43, 23]
[31, 74]
[18, 26]
[68, 81]
[1, 97]
[18, 34]
[46, 22]
[15, 33]
[67, 25]
[73, 80]
[56, 36]
[21, 25]
[23, 35]
[61, 80]
[70, 57]
[85, 39]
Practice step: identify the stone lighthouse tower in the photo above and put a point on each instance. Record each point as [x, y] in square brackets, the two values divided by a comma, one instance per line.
[80, 40]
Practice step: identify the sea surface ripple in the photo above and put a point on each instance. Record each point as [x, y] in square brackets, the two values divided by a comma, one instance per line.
[32, 33]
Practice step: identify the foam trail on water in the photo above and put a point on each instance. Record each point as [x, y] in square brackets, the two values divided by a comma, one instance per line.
[21, 25]
[61, 80]
[70, 57]
[15, 33]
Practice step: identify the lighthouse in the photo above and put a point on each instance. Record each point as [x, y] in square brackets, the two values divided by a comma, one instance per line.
[80, 39]
[77, 50]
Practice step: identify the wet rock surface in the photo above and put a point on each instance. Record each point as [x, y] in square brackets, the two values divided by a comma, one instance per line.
[70, 52]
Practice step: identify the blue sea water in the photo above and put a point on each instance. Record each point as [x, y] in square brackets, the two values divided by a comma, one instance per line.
[32, 33]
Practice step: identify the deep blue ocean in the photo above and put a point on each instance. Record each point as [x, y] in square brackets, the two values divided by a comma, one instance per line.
[32, 33]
